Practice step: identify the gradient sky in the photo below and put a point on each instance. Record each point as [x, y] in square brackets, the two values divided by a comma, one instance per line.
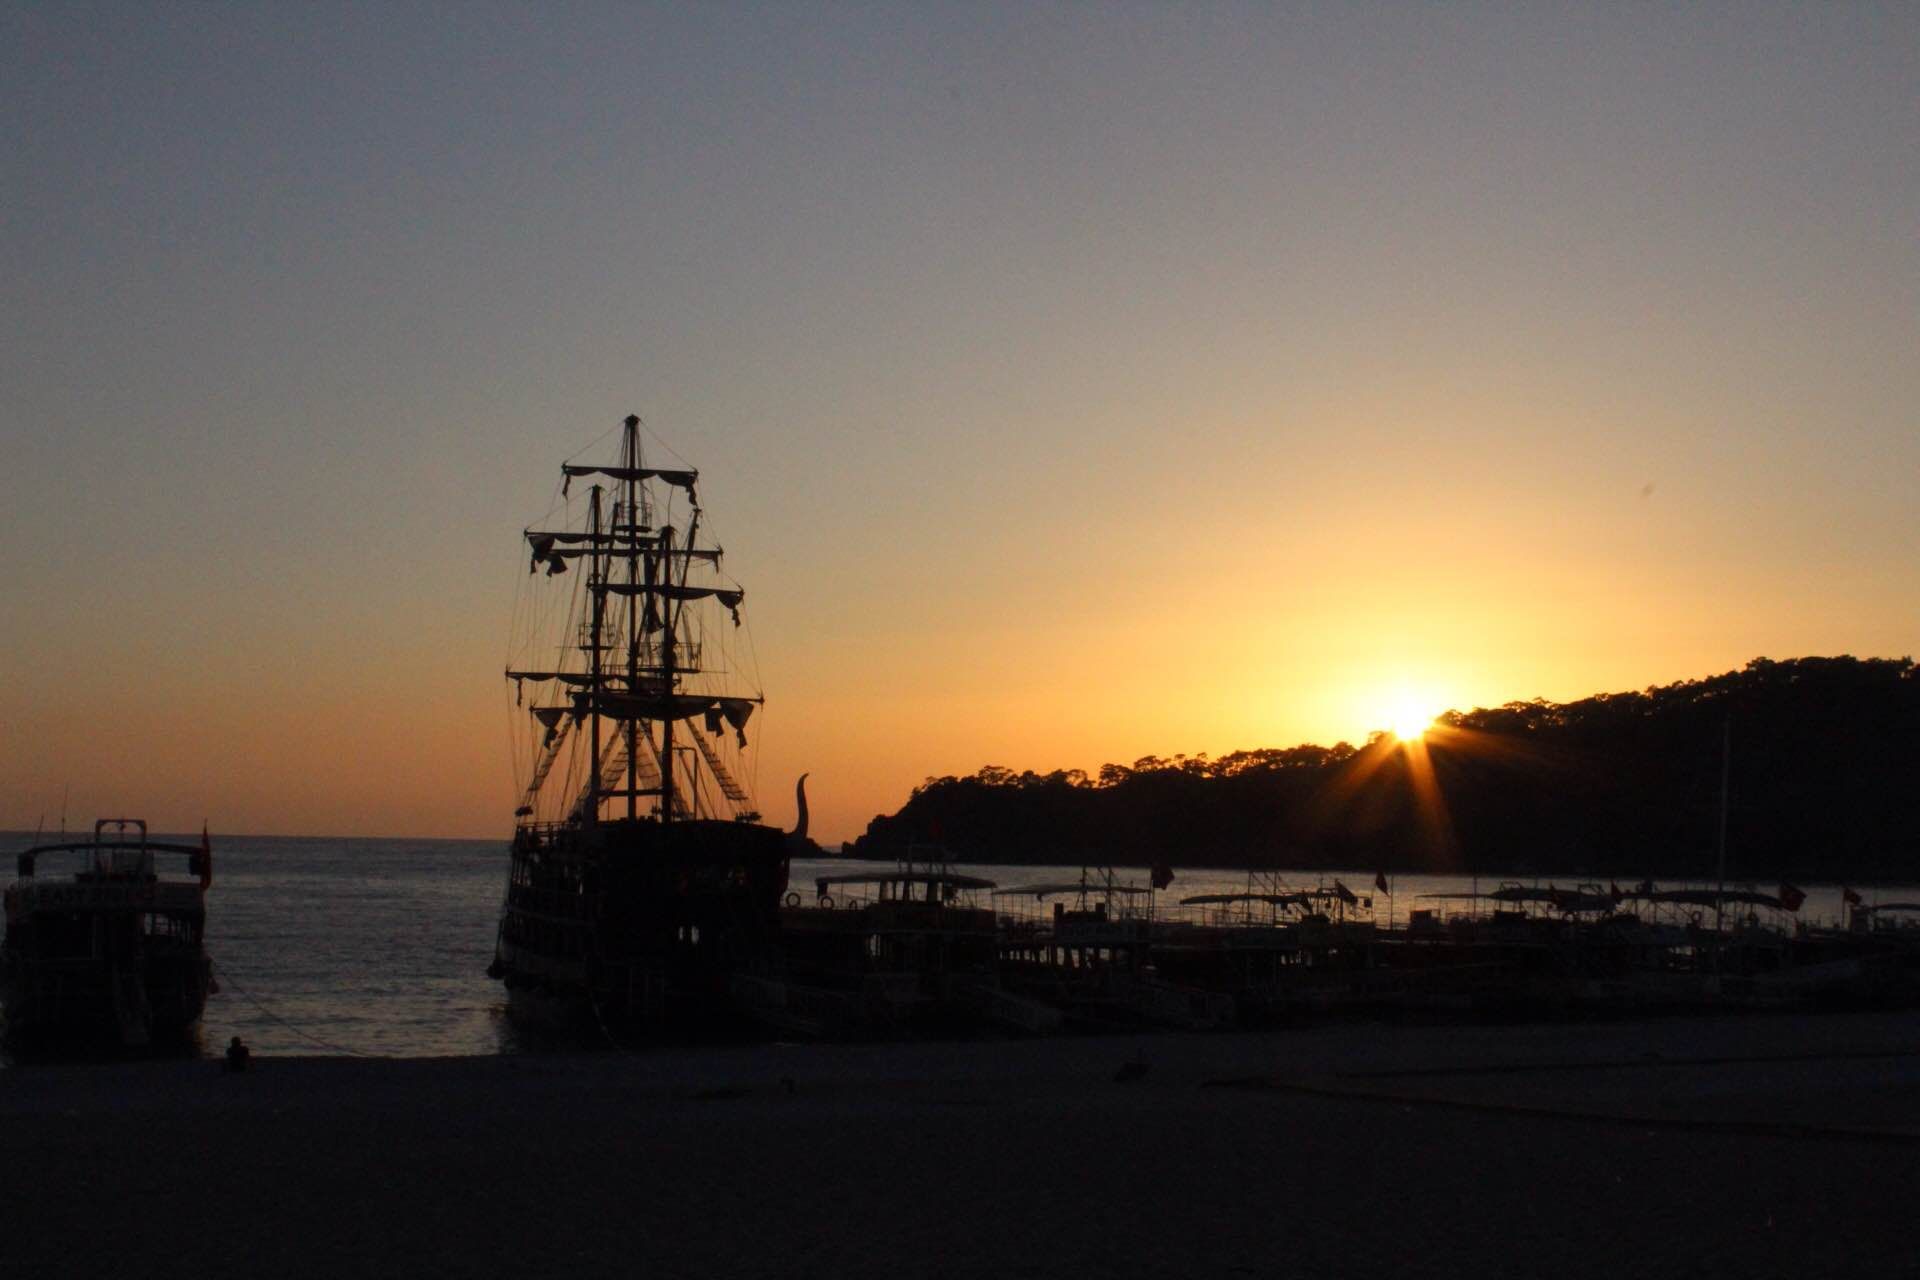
[1069, 383]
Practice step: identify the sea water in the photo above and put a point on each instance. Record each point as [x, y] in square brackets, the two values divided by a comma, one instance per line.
[370, 946]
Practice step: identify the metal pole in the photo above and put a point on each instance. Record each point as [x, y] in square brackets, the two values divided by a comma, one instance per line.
[1726, 774]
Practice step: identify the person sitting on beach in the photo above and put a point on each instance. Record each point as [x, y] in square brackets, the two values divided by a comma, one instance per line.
[239, 1057]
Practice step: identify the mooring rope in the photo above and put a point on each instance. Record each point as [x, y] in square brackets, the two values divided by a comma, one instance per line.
[305, 1037]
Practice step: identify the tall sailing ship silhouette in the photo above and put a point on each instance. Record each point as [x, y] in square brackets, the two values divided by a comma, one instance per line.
[642, 877]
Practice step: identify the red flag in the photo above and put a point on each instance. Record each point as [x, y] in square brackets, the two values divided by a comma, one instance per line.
[1851, 898]
[1162, 875]
[1790, 897]
[1380, 882]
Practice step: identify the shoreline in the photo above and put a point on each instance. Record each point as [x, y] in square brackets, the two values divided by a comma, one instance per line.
[1729, 1145]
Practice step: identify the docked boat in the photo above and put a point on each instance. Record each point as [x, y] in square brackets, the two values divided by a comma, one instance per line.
[1088, 947]
[100, 948]
[1280, 952]
[895, 950]
[641, 876]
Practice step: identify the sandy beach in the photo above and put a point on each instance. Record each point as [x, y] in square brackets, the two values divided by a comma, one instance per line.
[1738, 1147]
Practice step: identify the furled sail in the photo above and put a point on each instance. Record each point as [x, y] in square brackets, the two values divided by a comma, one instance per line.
[549, 752]
[677, 706]
[648, 684]
[543, 540]
[728, 596]
[684, 479]
[711, 555]
[551, 546]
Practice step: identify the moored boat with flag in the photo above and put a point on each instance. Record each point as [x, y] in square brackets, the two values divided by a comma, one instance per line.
[101, 949]
[641, 876]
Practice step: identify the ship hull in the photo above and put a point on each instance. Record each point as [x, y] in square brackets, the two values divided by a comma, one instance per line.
[633, 928]
[91, 1005]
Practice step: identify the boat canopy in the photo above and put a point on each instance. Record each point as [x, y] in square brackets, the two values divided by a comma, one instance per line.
[1711, 897]
[1572, 900]
[1073, 886]
[1564, 899]
[1274, 899]
[905, 877]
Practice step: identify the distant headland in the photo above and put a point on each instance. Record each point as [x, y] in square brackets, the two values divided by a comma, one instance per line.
[1820, 758]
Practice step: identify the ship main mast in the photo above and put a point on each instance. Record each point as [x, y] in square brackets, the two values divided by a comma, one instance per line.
[648, 556]
[636, 524]
[642, 685]
[596, 574]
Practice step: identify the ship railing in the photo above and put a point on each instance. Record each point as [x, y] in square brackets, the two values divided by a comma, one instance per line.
[650, 655]
[539, 834]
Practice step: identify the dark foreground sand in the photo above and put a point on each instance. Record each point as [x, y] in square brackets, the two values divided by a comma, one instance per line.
[1615, 1150]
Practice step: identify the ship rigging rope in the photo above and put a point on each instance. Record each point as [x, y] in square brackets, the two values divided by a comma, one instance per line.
[303, 1036]
[664, 445]
[540, 603]
[595, 442]
[753, 664]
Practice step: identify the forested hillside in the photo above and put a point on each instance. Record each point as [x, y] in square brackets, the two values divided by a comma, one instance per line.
[1824, 769]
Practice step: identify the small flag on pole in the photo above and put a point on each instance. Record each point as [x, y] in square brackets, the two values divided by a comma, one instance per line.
[1380, 882]
[1790, 897]
[1851, 898]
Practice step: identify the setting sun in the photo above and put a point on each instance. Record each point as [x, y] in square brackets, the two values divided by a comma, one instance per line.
[1410, 725]
[1408, 716]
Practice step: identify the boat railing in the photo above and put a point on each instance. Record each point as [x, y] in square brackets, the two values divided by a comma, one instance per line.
[1737, 909]
[909, 891]
[103, 860]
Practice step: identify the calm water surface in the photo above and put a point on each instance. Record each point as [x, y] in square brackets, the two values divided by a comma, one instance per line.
[325, 945]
